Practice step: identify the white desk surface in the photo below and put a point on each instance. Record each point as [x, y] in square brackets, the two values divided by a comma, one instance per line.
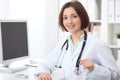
[13, 76]
[57, 75]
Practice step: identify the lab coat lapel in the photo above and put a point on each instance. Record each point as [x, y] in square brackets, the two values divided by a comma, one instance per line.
[77, 50]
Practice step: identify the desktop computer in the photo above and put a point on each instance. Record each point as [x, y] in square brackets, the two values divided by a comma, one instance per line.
[13, 44]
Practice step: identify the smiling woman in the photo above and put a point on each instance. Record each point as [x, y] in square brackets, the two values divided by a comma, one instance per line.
[81, 56]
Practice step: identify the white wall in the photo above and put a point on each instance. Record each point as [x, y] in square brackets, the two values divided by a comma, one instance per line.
[0, 9]
[42, 16]
[4, 11]
[51, 24]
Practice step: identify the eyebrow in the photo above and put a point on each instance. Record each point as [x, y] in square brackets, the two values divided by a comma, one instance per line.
[72, 14]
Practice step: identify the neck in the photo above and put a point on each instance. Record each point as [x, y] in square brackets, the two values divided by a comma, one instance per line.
[76, 36]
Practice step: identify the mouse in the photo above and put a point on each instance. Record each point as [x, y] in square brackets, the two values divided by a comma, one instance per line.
[24, 76]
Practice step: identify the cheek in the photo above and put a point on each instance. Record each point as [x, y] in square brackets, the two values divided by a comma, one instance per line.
[64, 23]
[78, 23]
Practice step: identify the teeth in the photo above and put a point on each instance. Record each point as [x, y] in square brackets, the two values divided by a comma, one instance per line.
[70, 26]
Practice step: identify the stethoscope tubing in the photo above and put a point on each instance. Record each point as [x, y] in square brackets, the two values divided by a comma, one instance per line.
[83, 46]
[58, 65]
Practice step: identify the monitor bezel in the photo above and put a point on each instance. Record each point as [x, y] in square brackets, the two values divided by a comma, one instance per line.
[9, 61]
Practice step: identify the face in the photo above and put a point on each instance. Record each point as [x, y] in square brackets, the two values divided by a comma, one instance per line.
[71, 20]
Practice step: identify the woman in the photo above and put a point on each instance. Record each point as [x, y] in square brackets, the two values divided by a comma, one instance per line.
[87, 58]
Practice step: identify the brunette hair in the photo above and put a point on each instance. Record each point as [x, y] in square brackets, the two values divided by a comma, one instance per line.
[82, 13]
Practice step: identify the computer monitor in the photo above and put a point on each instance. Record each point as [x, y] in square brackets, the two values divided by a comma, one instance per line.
[13, 41]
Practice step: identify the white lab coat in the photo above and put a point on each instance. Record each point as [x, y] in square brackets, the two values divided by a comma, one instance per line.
[105, 67]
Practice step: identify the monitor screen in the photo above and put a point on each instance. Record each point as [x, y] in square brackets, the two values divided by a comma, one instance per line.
[14, 40]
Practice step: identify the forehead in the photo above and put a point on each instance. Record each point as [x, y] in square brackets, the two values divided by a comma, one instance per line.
[69, 10]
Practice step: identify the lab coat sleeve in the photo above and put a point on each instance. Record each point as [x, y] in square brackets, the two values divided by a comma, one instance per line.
[50, 61]
[107, 68]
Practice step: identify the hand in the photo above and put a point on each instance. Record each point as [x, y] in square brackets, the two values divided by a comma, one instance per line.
[44, 76]
[87, 63]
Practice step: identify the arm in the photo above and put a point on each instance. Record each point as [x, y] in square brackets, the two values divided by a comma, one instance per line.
[47, 66]
[107, 68]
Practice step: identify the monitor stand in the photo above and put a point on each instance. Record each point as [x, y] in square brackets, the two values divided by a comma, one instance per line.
[12, 68]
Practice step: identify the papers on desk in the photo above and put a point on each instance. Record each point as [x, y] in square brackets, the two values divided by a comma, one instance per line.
[22, 76]
[13, 67]
[32, 62]
[31, 65]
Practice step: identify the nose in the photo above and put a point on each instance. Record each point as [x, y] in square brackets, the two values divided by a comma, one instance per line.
[69, 20]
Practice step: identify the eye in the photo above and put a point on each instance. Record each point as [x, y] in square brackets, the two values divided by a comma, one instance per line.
[74, 16]
[64, 18]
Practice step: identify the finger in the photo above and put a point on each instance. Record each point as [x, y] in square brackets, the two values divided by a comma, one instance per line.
[44, 76]
[88, 64]
[48, 77]
[41, 77]
[82, 61]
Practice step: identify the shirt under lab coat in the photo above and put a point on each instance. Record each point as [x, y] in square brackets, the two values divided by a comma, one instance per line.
[105, 67]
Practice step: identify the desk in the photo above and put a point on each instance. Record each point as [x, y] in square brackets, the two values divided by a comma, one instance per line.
[12, 76]
[57, 75]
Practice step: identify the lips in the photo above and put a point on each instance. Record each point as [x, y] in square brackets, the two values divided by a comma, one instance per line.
[71, 26]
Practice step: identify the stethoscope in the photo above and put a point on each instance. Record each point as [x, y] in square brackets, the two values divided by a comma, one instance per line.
[77, 71]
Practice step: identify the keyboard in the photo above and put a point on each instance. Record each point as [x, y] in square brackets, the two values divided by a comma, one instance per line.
[12, 70]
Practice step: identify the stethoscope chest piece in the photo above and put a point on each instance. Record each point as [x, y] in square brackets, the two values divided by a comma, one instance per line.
[77, 71]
